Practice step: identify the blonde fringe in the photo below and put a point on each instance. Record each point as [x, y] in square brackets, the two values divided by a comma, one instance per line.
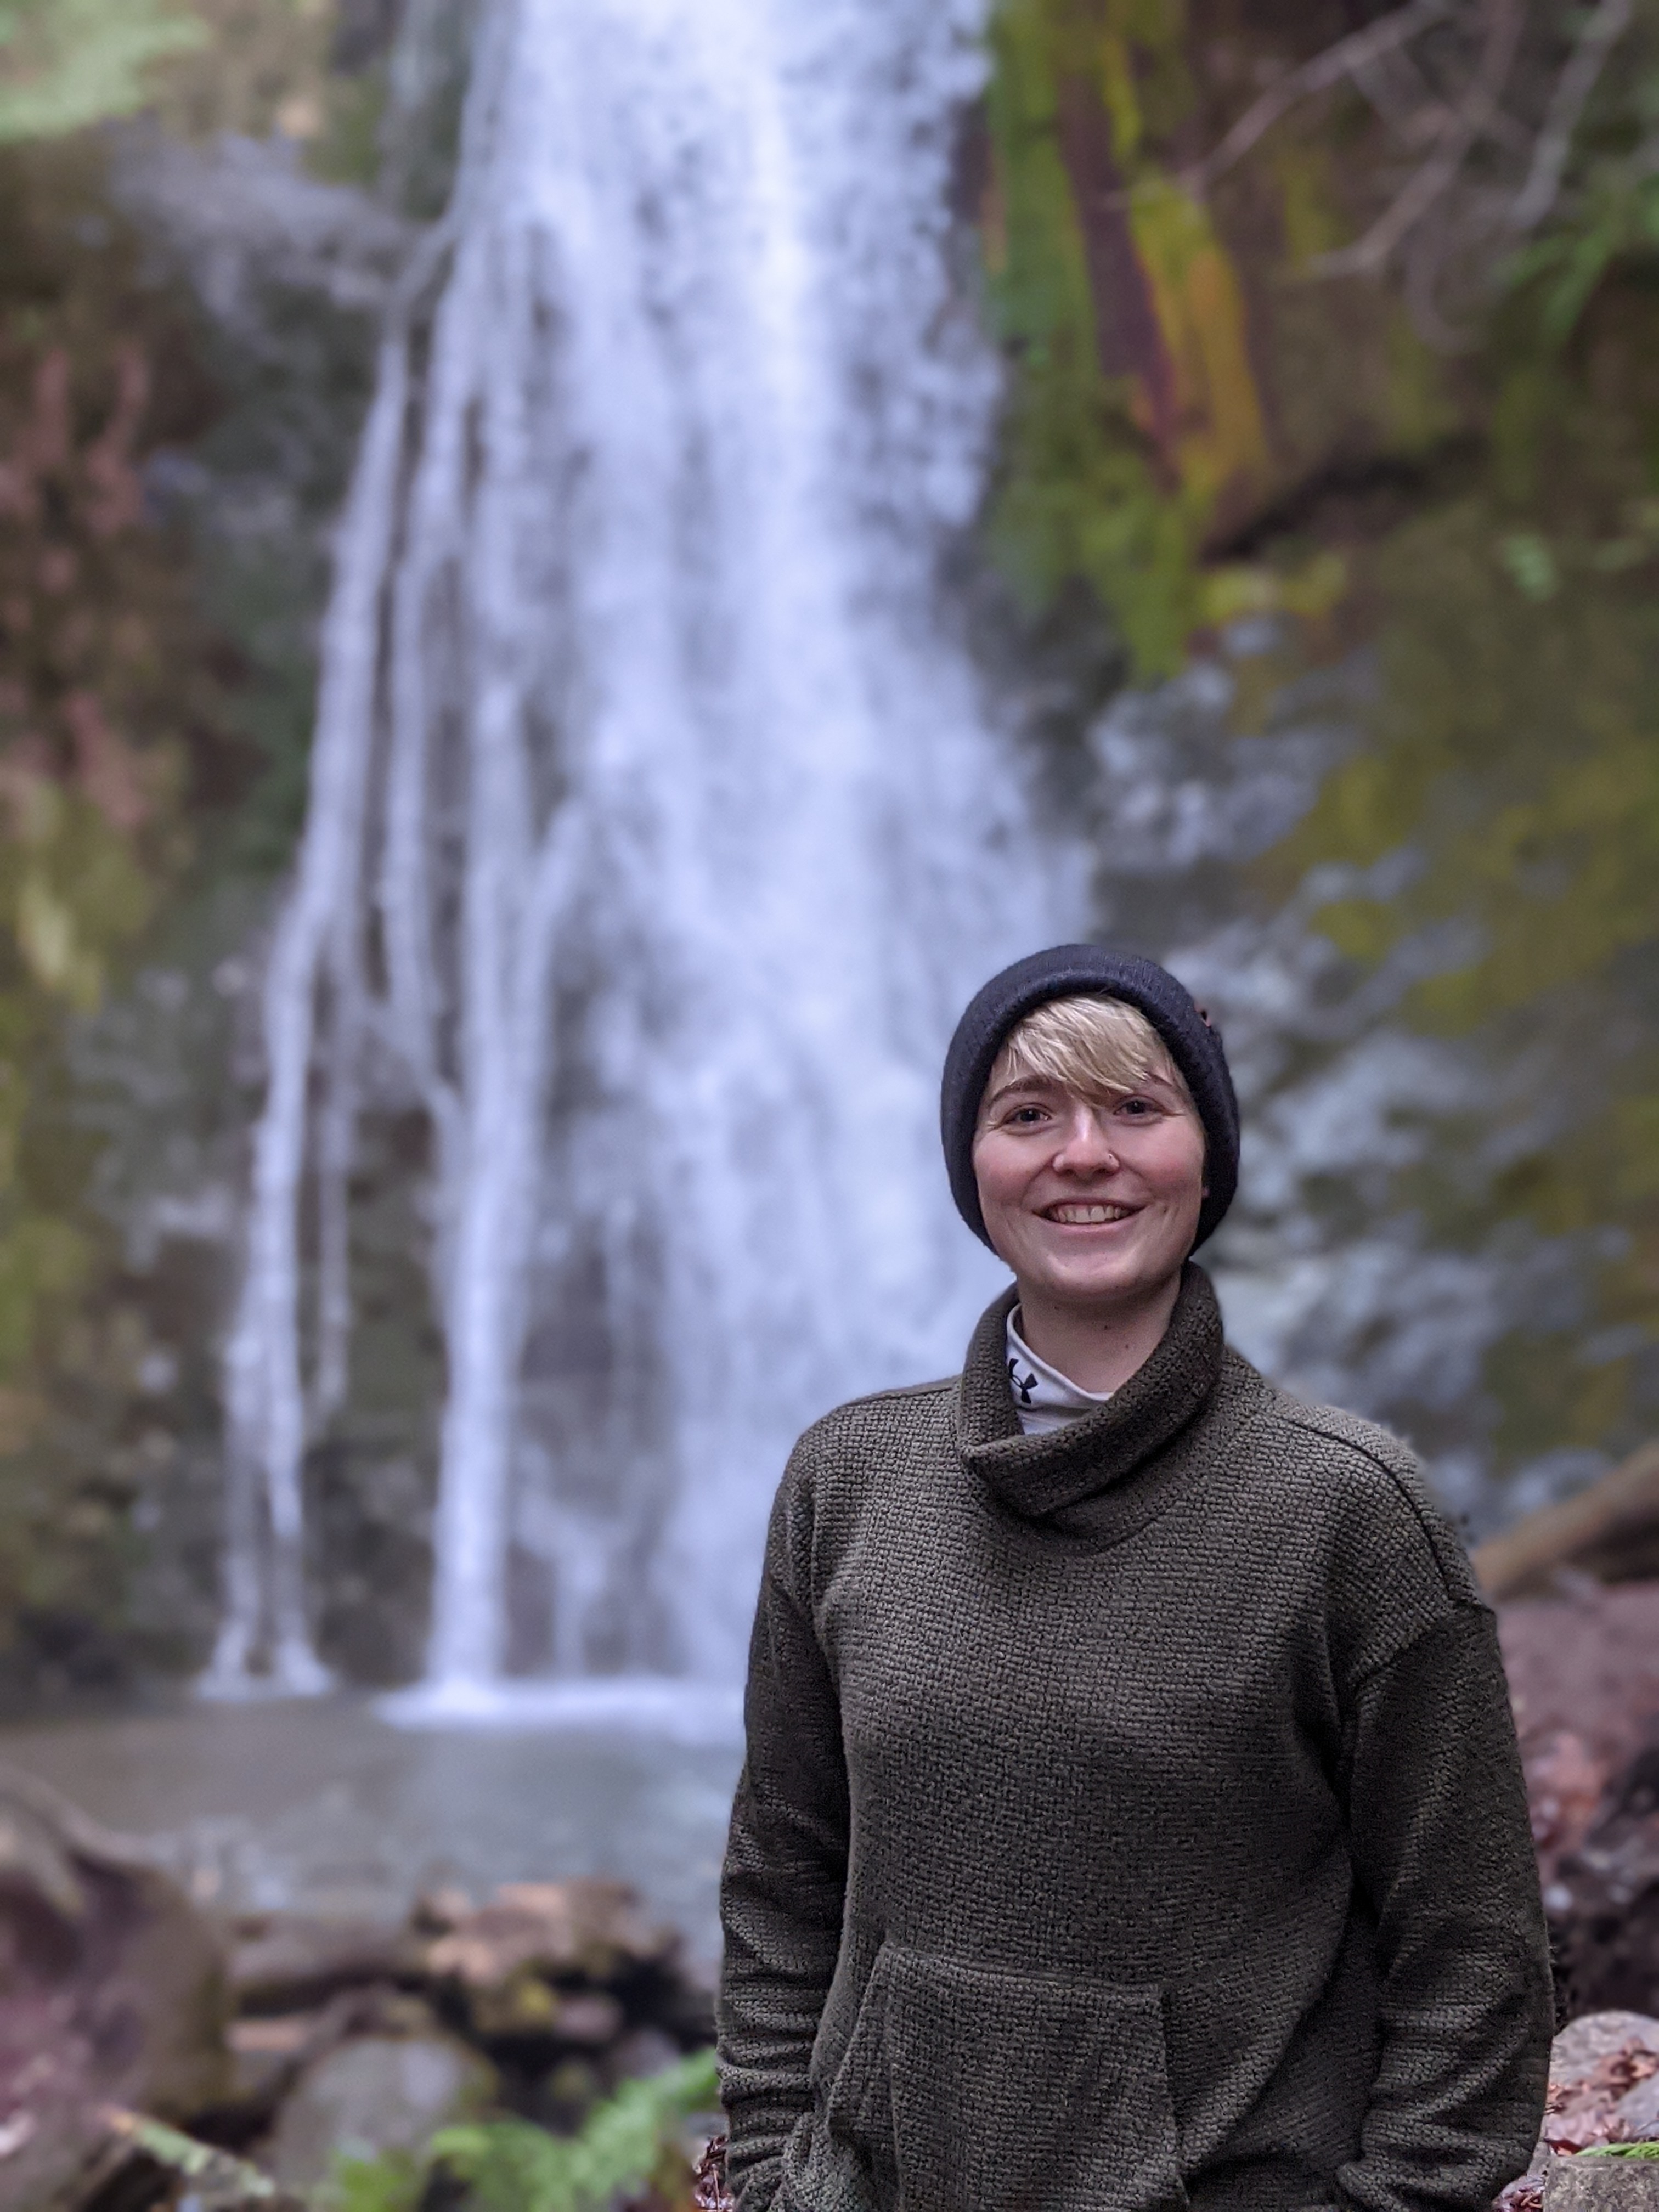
[1101, 1048]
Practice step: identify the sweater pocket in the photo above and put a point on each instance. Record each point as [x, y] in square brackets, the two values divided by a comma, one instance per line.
[1010, 2091]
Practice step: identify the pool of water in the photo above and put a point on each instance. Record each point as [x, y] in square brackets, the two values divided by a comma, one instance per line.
[324, 1806]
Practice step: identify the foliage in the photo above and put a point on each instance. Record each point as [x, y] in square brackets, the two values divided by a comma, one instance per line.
[629, 2145]
[216, 2182]
[1620, 2150]
[265, 67]
[1138, 312]
[392, 2181]
[1607, 219]
[64, 63]
[1112, 467]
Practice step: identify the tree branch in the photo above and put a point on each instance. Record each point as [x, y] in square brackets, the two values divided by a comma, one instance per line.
[1461, 128]
[1606, 26]
[1345, 58]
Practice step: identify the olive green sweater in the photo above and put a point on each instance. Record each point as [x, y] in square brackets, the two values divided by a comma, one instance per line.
[1132, 1816]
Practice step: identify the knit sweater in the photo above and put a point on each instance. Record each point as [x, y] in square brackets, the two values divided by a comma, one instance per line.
[1132, 1817]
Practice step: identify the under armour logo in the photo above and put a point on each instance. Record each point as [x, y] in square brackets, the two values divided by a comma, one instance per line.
[1023, 1383]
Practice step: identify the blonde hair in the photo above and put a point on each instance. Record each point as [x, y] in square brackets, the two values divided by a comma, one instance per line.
[1100, 1047]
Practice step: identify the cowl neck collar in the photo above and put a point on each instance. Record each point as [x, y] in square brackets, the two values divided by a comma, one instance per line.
[1039, 1475]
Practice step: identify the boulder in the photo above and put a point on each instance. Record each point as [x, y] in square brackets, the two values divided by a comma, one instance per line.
[271, 2051]
[374, 2094]
[1604, 2073]
[1603, 2184]
[1604, 2088]
[294, 1962]
[566, 1963]
[586, 1928]
[112, 1992]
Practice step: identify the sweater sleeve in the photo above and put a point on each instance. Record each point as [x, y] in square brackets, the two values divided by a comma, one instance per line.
[1443, 1851]
[785, 1867]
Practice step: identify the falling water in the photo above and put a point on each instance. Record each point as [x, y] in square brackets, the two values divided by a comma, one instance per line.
[656, 834]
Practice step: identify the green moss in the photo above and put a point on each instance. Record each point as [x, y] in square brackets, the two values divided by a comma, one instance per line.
[64, 63]
[1084, 491]
[1515, 752]
[1309, 200]
[1420, 410]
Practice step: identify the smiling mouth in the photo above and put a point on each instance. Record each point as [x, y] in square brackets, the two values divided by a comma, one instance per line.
[1074, 1214]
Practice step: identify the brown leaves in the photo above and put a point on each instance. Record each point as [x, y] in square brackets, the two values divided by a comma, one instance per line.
[1564, 1781]
[708, 2190]
[116, 499]
[1593, 2111]
[107, 769]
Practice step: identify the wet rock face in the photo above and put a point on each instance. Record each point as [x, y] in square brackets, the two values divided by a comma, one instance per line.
[112, 1992]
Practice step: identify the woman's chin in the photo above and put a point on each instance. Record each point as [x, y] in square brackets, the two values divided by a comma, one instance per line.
[1094, 1280]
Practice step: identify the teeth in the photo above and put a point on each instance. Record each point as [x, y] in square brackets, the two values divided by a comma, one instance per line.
[1083, 1217]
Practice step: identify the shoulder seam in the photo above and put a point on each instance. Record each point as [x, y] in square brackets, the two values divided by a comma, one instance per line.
[894, 1390]
[1297, 1419]
[1312, 1428]
[1462, 1607]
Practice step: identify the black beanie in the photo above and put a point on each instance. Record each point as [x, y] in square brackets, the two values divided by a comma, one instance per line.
[1067, 971]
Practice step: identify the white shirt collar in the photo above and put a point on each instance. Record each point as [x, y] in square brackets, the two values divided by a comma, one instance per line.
[1044, 1399]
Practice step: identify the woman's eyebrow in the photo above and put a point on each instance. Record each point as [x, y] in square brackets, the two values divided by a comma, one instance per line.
[1016, 1083]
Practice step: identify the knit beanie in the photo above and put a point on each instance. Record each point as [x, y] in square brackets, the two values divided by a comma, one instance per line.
[1065, 971]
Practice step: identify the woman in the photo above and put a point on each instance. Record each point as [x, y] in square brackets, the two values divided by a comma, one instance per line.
[1132, 1817]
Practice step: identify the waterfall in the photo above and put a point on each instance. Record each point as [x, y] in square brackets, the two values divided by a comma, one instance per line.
[656, 831]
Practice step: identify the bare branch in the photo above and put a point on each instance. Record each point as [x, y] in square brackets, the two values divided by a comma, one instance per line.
[1463, 125]
[1347, 57]
[1399, 91]
[1606, 26]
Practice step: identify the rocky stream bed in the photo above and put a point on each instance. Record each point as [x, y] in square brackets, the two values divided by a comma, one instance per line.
[545, 2048]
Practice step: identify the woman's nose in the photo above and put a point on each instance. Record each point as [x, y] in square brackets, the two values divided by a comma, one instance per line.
[1087, 1147]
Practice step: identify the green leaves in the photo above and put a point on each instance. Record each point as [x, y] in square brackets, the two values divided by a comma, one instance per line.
[628, 2145]
[216, 2182]
[511, 2167]
[393, 2182]
[64, 63]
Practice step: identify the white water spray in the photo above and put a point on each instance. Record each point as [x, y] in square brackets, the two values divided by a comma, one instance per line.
[655, 837]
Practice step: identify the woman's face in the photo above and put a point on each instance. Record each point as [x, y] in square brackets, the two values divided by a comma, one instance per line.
[1092, 1204]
